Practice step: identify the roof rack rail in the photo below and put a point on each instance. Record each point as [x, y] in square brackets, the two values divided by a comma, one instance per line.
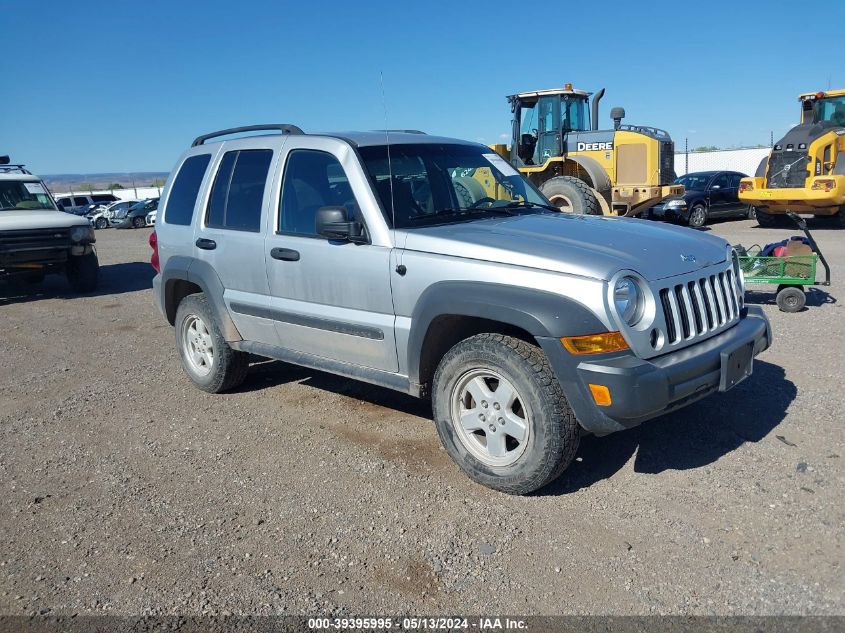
[8, 168]
[284, 128]
[403, 131]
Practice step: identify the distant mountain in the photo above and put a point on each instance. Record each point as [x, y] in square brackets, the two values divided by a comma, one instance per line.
[82, 182]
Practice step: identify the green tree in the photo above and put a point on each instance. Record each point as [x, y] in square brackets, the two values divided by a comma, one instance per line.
[705, 148]
[115, 185]
[86, 186]
[158, 182]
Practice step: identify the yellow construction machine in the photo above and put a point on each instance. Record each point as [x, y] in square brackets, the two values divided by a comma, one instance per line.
[805, 171]
[557, 145]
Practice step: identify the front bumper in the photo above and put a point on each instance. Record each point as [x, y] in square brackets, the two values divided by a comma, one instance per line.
[663, 211]
[644, 389]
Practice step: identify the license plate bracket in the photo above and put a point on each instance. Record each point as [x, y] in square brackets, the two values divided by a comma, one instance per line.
[737, 365]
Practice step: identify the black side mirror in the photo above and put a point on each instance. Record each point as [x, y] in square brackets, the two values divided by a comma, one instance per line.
[333, 223]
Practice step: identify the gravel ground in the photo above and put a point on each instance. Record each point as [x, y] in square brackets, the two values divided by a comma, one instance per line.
[125, 490]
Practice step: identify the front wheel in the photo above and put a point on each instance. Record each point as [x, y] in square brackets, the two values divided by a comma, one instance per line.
[206, 357]
[697, 216]
[768, 220]
[751, 213]
[572, 195]
[101, 223]
[138, 222]
[83, 272]
[501, 413]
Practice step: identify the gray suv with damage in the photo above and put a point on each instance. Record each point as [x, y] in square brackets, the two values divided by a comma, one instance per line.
[429, 265]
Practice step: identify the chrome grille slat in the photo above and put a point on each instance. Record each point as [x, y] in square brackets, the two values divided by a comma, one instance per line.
[687, 302]
[699, 307]
[676, 317]
[711, 303]
[720, 301]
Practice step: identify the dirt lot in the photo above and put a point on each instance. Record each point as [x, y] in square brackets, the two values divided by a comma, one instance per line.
[124, 490]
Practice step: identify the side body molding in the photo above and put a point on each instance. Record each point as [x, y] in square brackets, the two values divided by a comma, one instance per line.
[202, 274]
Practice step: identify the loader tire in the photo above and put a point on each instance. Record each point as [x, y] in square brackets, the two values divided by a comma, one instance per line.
[571, 195]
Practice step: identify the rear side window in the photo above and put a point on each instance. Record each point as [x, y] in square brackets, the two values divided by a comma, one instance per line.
[238, 190]
[103, 197]
[79, 202]
[183, 193]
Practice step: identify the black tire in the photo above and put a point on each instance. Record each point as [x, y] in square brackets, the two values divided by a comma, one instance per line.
[83, 272]
[101, 223]
[751, 213]
[553, 434]
[138, 222]
[768, 220]
[697, 216]
[791, 298]
[229, 367]
[577, 196]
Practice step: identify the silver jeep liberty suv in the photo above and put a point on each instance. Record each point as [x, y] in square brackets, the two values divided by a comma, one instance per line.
[430, 266]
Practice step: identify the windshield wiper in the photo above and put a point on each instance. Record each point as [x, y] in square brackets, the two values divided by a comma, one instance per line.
[462, 212]
[525, 203]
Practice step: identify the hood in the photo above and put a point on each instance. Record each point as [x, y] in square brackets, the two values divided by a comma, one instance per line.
[25, 219]
[587, 246]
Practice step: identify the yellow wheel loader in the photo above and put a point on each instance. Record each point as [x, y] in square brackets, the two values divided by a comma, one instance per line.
[805, 171]
[557, 145]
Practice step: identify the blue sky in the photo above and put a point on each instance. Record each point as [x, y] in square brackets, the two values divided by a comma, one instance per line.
[95, 86]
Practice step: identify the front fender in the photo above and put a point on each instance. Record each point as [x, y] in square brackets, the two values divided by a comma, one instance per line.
[539, 313]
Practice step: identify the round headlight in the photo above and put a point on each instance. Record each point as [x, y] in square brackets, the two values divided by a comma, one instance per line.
[80, 233]
[628, 300]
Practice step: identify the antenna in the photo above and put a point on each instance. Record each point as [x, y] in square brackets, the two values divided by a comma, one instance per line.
[387, 142]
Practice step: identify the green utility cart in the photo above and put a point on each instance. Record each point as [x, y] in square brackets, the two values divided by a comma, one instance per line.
[791, 273]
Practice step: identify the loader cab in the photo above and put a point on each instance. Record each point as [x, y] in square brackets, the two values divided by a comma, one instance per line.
[542, 119]
[823, 107]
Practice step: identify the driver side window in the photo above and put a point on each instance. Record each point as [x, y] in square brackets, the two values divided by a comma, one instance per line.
[720, 182]
[312, 179]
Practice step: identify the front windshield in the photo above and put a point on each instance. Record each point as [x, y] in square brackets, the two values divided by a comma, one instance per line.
[428, 183]
[697, 182]
[831, 109]
[15, 194]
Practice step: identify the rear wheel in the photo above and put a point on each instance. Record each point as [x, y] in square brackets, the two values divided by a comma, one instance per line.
[501, 414]
[791, 298]
[101, 223]
[138, 222]
[206, 357]
[571, 195]
[697, 216]
[83, 272]
[751, 213]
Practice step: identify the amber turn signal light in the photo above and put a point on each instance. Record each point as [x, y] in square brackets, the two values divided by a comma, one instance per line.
[601, 395]
[745, 186]
[595, 343]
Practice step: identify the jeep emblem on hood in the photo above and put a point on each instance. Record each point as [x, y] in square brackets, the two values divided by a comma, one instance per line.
[688, 258]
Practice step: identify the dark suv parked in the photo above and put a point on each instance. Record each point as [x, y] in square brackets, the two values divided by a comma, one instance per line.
[707, 194]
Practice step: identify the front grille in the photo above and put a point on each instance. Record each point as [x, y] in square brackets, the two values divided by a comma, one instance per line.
[787, 170]
[34, 245]
[699, 307]
[667, 163]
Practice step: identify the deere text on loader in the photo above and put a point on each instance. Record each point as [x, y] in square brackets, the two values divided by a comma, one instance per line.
[805, 171]
[557, 145]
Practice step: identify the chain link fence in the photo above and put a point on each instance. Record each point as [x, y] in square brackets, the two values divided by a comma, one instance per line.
[744, 160]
